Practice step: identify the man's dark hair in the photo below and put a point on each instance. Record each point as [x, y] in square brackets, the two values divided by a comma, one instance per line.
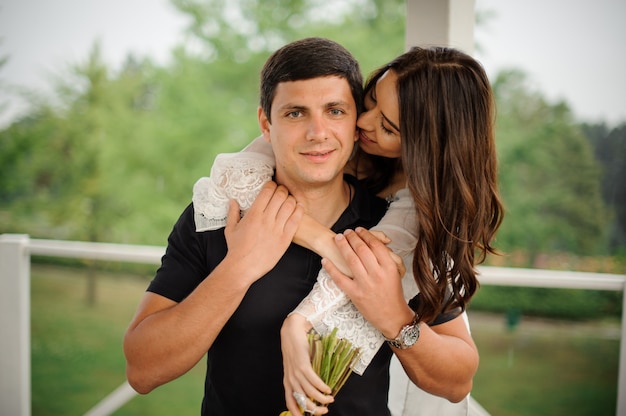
[306, 59]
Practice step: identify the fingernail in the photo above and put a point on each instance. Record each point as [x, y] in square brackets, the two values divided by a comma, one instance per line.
[348, 232]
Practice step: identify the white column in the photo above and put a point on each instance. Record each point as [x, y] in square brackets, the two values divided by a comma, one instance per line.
[621, 374]
[440, 22]
[14, 325]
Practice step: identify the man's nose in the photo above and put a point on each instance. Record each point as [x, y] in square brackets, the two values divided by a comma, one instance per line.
[317, 128]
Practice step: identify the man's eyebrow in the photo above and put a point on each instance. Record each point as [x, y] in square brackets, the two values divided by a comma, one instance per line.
[290, 106]
[390, 122]
[339, 103]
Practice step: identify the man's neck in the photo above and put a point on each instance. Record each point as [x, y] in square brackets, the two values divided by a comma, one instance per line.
[324, 203]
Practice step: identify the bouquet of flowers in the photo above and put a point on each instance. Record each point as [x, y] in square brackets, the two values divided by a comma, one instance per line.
[332, 358]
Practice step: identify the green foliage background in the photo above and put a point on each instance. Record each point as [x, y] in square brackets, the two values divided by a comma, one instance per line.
[113, 155]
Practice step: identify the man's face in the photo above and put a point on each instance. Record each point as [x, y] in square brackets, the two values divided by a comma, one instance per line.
[313, 130]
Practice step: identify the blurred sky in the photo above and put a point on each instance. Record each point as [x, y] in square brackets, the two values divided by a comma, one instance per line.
[571, 49]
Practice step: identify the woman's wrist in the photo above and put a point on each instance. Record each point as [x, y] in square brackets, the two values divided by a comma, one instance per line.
[313, 235]
[298, 321]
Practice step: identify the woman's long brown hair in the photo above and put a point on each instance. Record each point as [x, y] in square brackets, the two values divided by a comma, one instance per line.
[447, 116]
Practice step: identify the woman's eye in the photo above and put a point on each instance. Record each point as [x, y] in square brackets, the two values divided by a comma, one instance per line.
[385, 129]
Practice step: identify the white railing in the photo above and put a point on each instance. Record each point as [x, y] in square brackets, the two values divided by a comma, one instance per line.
[16, 249]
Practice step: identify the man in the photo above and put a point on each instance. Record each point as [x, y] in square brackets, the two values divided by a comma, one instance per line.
[228, 291]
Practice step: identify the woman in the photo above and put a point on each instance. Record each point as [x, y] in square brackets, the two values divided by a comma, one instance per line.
[429, 124]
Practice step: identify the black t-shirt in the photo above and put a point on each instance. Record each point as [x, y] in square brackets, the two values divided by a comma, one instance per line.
[244, 365]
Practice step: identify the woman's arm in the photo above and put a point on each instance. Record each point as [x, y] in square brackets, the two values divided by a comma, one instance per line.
[234, 176]
[320, 239]
[325, 306]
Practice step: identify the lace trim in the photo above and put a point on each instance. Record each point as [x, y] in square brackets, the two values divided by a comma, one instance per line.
[238, 176]
[327, 307]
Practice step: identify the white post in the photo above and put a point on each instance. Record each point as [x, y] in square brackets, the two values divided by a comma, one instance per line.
[15, 325]
[440, 22]
[621, 374]
[116, 399]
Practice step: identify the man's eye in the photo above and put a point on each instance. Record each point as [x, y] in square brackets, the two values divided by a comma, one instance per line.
[336, 112]
[294, 114]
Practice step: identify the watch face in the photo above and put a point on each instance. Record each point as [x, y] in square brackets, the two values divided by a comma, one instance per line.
[409, 337]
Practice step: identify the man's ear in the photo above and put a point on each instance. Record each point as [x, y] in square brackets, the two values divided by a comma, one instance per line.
[264, 123]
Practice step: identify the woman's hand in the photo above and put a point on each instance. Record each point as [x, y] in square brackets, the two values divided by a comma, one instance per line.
[381, 236]
[299, 375]
[376, 286]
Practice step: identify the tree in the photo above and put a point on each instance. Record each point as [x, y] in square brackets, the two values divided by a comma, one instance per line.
[116, 158]
[549, 179]
[27, 175]
[61, 155]
[610, 151]
[243, 31]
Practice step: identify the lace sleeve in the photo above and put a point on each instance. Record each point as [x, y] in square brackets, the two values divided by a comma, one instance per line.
[238, 176]
[327, 307]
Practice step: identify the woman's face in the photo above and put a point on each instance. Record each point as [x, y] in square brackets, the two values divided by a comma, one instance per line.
[379, 125]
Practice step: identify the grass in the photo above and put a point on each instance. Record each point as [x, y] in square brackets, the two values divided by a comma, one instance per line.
[540, 368]
[546, 368]
[77, 356]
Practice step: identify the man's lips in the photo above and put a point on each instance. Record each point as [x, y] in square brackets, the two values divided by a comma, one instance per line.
[318, 155]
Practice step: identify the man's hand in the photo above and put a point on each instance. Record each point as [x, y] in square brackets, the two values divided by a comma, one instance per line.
[259, 239]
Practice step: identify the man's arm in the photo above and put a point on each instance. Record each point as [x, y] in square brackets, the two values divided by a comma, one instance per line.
[428, 361]
[379, 297]
[165, 339]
